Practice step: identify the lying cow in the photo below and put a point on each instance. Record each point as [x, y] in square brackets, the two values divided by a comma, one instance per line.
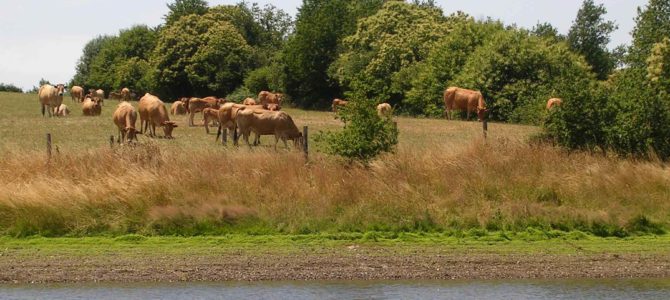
[51, 97]
[249, 101]
[463, 99]
[91, 106]
[62, 111]
[125, 118]
[152, 112]
[264, 122]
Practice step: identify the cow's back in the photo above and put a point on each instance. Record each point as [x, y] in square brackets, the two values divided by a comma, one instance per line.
[47, 94]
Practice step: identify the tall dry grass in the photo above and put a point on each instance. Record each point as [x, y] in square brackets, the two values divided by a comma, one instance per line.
[499, 185]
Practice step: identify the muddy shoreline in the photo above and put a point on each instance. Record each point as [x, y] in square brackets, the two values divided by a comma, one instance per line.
[356, 264]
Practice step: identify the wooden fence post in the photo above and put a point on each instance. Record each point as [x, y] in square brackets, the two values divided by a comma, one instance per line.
[49, 145]
[305, 141]
[485, 127]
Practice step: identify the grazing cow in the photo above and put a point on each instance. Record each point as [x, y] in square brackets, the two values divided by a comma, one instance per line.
[177, 108]
[125, 118]
[385, 110]
[227, 117]
[153, 112]
[125, 94]
[463, 99]
[266, 97]
[62, 111]
[100, 94]
[115, 96]
[77, 93]
[91, 106]
[554, 102]
[51, 97]
[196, 105]
[338, 103]
[264, 122]
[249, 101]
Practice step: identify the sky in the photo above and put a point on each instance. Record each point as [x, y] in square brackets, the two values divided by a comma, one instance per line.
[44, 39]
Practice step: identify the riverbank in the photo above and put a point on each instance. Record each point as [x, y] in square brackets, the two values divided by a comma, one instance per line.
[313, 257]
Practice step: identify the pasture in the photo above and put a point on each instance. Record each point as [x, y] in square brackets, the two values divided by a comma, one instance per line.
[443, 178]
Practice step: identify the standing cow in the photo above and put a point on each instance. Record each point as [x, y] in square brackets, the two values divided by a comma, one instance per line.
[264, 122]
[385, 111]
[125, 94]
[77, 93]
[125, 118]
[153, 113]
[462, 99]
[266, 97]
[51, 97]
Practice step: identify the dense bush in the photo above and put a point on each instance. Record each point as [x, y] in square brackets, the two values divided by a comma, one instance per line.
[10, 88]
[365, 135]
[380, 57]
[199, 56]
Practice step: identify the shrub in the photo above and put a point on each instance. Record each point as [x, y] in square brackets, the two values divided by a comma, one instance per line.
[365, 135]
[10, 88]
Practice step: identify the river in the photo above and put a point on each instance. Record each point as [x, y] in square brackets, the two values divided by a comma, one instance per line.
[508, 289]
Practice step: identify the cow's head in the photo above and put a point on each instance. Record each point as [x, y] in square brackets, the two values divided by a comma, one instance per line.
[481, 114]
[168, 126]
[272, 107]
[131, 133]
[61, 89]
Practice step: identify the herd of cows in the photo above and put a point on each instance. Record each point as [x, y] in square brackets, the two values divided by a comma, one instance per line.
[261, 116]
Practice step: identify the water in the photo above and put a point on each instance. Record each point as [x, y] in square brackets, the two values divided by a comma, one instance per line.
[545, 289]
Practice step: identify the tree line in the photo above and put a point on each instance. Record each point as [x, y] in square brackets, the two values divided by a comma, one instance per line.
[407, 53]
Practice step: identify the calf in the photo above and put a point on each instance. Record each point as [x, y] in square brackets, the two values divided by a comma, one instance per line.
[91, 107]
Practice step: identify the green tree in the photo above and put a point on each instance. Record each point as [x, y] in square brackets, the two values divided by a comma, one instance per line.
[83, 68]
[319, 29]
[652, 25]
[182, 8]
[589, 36]
[444, 62]
[518, 72]
[382, 54]
[366, 135]
[10, 88]
[547, 31]
[199, 56]
[658, 66]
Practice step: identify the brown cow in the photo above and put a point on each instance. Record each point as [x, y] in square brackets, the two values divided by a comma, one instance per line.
[125, 118]
[264, 122]
[463, 99]
[196, 105]
[554, 102]
[384, 110]
[153, 112]
[62, 111]
[249, 101]
[125, 94]
[77, 93]
[51, 97]
[91, 107]
[177, 108]
[210, 115]
[339, 103]
[266, 97]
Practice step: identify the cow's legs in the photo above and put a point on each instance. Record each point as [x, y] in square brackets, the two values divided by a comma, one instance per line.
[190, 119]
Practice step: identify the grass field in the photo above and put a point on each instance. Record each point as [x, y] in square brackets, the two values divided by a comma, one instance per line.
[443, 178]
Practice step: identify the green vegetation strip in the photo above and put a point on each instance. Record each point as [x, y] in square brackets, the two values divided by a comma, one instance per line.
[490, 244]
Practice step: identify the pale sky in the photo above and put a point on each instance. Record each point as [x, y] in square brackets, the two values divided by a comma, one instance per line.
[44, 39]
